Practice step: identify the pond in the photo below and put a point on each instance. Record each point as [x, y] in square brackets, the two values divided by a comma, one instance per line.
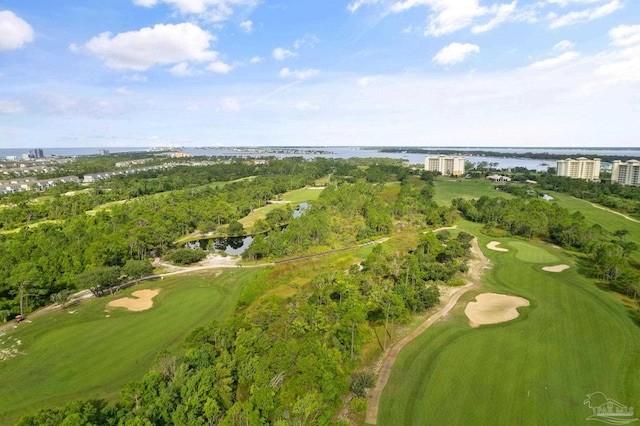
[235, 246]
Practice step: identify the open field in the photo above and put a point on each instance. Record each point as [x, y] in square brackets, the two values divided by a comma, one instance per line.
[573, 339]
[92, 351]
[450, 188]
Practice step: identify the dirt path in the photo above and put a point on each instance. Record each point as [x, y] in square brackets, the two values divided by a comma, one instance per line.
[476, 267]
[597, 206]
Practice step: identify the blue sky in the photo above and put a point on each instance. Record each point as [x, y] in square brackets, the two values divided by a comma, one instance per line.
[542, 73]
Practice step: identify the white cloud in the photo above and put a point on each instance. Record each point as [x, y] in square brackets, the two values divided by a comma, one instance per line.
[123, 90]
[455, 53]
[230, 105]
[622, 64]
[564, 45]
[357, 4]
[11, 107]
[212, 10]
[623, 67]
[308, 40]
[255, 60]
[502, 13]
[15, 32]
[565, 3]
[554, 62]
[298, 74]
[447, 16]
[247, 26]
[136, 78]
[280, 53]
[366, 81]
[586, 15]
[625, 35]
[160, 45]
[219, 67]
[183, 70]
[306, 106]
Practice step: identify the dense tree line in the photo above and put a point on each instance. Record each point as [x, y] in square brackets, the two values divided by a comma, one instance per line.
[350, 213]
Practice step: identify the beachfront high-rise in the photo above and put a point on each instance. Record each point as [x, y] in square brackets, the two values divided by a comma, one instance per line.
[626, 173]
[446, 166]
[579, 168]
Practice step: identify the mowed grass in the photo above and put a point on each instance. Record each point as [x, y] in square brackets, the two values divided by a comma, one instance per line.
[533, 253]
[449, 188]
[88, 354]
[574, 339]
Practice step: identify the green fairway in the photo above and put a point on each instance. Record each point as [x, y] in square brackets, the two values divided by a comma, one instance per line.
[450, 188]
[87, 352]
[574, 339]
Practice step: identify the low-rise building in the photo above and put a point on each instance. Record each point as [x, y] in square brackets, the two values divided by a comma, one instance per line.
[499, 178]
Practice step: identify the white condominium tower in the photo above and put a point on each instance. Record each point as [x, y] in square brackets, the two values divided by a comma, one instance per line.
[626, 173]
[447, 166]
[580, 168]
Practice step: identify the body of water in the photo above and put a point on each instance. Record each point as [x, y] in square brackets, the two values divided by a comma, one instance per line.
[356, 152]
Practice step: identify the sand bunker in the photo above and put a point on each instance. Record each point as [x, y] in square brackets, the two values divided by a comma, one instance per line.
[493, 245]
[143, 301]
[557, 268]
[492, 308]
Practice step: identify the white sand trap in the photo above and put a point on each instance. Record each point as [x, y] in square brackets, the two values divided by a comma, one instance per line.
[493, 245]
[557, 268]
[492, 308]
[143, 301]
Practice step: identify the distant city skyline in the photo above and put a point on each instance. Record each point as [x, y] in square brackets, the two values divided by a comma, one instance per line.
[460, 73]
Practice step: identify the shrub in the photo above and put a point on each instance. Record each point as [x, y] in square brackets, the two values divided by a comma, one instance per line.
[185, 256]
[358, 405]
[361, 381]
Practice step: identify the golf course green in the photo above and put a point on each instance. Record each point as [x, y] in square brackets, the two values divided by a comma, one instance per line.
[92, 350]
[572, 340]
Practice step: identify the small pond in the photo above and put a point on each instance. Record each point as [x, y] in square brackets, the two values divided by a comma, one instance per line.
[235, 246]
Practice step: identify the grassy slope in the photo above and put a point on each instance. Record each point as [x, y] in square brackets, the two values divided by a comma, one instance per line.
[607, 219]
[449, 188]
[574, 339]
[89, 355]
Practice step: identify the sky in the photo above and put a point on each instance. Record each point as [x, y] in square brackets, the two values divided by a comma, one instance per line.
[520, 73]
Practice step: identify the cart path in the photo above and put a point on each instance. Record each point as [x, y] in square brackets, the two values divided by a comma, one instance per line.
[476, 268]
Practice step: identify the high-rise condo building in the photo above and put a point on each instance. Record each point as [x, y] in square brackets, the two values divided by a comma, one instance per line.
[447, 166]
[579, 168]
[626, 173]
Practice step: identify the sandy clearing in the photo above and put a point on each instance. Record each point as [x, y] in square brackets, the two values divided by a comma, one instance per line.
[143, 301]
[493, 308]
[493, 245]
[556, 268]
